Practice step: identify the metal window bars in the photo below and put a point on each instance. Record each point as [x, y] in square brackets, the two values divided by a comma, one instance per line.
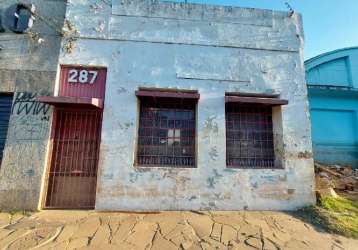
[249, 136]
[166, 135]
[73, 170]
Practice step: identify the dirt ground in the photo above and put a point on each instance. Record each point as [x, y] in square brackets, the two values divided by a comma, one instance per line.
[165, 231]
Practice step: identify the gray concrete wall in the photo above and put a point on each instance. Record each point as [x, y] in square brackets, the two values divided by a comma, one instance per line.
[210, 49]
[28, 65]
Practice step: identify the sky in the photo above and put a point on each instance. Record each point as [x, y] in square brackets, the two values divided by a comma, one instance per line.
[328, 24]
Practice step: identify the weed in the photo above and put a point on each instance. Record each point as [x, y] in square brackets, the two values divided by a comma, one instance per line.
[336, 215]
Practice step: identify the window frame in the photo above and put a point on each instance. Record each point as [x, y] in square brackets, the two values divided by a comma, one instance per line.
[175, 95]
[271, 102]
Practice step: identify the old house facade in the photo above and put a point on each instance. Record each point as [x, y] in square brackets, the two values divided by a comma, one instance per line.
[172, 106]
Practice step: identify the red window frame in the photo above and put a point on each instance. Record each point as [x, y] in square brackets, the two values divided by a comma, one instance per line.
[249, 135]
[167, 132]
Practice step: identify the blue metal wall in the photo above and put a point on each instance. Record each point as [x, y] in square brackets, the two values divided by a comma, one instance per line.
[332, 80]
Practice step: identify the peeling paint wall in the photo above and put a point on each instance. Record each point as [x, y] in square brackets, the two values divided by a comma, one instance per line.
[211, 49]
[28, 65]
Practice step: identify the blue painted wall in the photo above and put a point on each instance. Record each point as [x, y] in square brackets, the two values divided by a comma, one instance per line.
[332, 80]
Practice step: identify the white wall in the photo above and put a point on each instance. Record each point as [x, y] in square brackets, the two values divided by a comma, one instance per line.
[204, 48]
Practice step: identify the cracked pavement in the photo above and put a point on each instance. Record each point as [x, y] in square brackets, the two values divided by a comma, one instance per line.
[164, 231]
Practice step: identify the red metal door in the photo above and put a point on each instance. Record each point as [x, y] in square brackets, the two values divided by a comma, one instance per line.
[73, 170]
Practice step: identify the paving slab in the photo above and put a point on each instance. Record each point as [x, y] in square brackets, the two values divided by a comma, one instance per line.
[54, 229]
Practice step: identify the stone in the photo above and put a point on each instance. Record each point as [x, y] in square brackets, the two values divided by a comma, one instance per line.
[34, 237]
[5, 232]
[276, 230]
[236, 222]
[13, 237]
[167, 221]
[349, 182]
[228, 235]
[88, 227]
[102, 235]
[195, 246]
[324, 182]
[186, 245]
[182, 234]
[213, 244]
[201, 224]
[78, 243]
[253, 241]
[103, 246]
[347, 171]
[123, 230]
[142, 234]
[160, 243]
[323, 174]
[216, 232]
[66, 233]
[327, 192]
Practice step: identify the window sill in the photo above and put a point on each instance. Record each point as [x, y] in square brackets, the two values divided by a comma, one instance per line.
[163, 167]
[257, 168]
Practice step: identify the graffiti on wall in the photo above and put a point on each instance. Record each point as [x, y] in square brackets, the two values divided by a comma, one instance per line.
[26, 104]
[27, 135]
[30, 117]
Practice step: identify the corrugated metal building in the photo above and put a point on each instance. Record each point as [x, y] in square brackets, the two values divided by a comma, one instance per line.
[332, 80]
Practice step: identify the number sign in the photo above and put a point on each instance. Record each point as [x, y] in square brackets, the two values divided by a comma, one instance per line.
[82, 76]
[82, 81]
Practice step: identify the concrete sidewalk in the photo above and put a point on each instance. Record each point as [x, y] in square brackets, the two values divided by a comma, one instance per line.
[164, 230]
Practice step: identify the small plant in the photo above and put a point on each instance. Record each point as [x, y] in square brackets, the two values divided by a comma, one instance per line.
[336, 215]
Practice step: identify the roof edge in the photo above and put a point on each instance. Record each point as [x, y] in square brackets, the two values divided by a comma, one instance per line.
[329, 53]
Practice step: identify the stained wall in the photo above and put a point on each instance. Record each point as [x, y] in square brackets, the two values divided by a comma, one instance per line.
[207, 48]
[28, 67]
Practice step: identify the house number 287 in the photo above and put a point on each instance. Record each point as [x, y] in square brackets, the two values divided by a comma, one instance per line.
[82, 76]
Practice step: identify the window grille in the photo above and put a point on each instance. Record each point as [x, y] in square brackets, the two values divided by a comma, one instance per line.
[249, 136]
[166, 135]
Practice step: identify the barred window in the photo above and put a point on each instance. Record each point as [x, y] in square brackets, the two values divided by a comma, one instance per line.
[249, 136]
[166, 135]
